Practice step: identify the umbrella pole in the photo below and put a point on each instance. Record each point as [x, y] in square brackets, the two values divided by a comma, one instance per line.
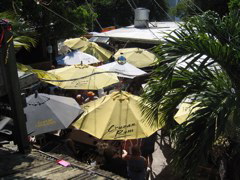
[121, 150]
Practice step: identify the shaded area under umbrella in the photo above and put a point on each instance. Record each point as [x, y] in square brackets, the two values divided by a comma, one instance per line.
[46, 113]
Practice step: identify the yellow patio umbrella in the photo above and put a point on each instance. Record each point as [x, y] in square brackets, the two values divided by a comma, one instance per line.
[99, 52]
[83, 77]
[116, 116]
[184, 112]
[137, 56]
[76, 43]
[41, 74]
[92, 48]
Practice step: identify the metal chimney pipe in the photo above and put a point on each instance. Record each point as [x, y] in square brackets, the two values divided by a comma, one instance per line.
[141, 18]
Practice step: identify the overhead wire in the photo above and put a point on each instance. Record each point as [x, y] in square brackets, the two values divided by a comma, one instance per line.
[134, 3]
[155, 26]
[192, 1]
[157, 12]
[94, 12]
[146, 24]
[74, 79]
[196, 6]
[164, 10]
[47, 4]
[75, 25]
[130, 5]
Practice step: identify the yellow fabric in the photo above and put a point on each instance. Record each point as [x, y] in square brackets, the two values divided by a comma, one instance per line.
[185, 111]
[116, 116]
[92, 48]
[88, 80]
[40, 73]
[76, 43]
[99, 52]
[137, 56]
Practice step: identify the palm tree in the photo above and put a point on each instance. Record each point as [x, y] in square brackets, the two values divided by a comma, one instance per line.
[199, 61]
[24, 35]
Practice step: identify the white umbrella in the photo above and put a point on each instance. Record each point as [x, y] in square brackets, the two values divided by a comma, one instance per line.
[76, 57]
[125, 70]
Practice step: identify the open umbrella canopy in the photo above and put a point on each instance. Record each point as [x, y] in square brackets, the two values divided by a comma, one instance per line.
[125, 70]
[76, 43]
[92, 48]
[76, 57]
[83, 77]
[116, 116]
[136, 56]
[40, 73]
[46, 113]
[185, 111]
[99, 52]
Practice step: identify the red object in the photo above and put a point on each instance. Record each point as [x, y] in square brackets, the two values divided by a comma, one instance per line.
[108, 28]
[5, 26]
[1, 38]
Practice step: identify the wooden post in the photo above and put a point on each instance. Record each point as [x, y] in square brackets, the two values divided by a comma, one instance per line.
[11, 81]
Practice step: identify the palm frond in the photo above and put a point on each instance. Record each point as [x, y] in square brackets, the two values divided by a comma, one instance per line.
[24, 34]
[208, 45]
[24, 41]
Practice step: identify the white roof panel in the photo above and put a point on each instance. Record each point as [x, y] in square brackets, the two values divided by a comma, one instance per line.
[155, 33]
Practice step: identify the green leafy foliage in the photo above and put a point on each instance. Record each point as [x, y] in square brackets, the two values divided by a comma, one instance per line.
[234, 4]
[121, 13]
[199, 61]
[187, 8]
[24, 34]
[57, 19]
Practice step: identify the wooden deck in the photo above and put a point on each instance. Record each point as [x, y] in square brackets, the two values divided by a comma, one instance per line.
[40, 165]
